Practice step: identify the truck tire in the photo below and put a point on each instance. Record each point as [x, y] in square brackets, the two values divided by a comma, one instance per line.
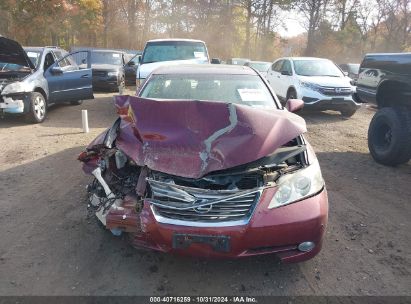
[389, 136]
[37, 108]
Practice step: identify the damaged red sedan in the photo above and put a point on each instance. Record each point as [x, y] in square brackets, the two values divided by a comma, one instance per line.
[205, 161]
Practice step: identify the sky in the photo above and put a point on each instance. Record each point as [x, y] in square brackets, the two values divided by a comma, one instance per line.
[292, 27]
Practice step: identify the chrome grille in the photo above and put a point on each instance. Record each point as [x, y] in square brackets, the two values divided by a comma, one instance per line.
[202, 205]
[332, 91]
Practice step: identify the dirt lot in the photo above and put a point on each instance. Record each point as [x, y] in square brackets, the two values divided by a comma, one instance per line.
[49, 247]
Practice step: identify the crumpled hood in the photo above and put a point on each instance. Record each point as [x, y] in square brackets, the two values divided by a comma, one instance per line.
[12, 52]
[145, 69]
[193, 138]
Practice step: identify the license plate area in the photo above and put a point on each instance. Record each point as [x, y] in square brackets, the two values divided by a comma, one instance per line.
[218, 243]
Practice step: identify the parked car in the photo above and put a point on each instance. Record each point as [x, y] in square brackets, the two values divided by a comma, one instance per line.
[385, 80]
[33, 78]
[238, 61]
[261, 66]
[207, 162]
[351, 70]
[108, 69]
[318, 82]
[170, 52]
[130, 69]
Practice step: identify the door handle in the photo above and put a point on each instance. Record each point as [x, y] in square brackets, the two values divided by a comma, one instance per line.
[85, 76]
[278, 76]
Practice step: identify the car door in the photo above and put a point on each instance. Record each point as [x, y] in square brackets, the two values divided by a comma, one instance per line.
[66, 81]
[274, 75]
[286, 78]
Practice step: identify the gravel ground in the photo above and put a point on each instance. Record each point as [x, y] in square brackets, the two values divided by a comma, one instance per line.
[49, 247]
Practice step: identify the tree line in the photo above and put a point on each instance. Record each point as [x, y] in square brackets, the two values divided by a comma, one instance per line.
[343, 30]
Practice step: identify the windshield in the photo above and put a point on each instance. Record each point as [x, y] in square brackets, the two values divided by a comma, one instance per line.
[174, 50]
[106, 58]
[240, 89]
[34, 57]
[312, 67]
[260, 66]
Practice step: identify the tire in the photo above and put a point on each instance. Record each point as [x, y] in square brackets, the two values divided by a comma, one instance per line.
[389, 136]
[291, 94]
[348, 112]
[37, 108]
[76, 102]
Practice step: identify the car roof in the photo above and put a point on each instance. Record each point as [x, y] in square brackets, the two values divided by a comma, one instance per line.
[222, 69]
[41, 48]
[174, 39]
[303, 58]
[106, 51]
[259, 62]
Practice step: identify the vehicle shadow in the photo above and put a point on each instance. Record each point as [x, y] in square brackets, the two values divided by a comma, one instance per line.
[320, 117]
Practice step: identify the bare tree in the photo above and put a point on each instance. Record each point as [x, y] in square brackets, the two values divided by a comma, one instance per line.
[313, 11]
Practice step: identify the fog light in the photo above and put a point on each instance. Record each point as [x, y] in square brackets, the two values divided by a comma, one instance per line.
[306, 246]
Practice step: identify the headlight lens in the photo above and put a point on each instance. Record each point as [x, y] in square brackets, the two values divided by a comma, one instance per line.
[112, 74]
[15, 87]
[298, 185]
[309, 85]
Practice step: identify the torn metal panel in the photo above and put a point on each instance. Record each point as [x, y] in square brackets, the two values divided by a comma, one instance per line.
[193, 138]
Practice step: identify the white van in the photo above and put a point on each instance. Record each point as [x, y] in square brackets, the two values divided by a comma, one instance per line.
[159, 52]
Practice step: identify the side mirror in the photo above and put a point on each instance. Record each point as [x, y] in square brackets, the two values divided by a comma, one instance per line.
[56, 70]
[139, 58]
[215, 61]
[294, 105]
[345, 73]
[131, 63]
[287, 73]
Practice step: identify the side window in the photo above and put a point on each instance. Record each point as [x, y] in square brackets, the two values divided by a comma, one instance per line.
[287, 67]
[48, 60]
[62, 60]
[277, 66]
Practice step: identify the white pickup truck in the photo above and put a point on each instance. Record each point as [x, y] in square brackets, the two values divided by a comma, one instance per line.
[159, 52]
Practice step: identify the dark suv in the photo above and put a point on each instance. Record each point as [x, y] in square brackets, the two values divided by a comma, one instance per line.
[108, 69]
[33, 78]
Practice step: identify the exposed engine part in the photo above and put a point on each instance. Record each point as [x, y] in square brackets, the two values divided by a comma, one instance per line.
[222, 196]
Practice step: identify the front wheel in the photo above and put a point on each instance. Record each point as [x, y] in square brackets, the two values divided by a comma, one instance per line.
[389, 136]
[37, 108]
[291, 94]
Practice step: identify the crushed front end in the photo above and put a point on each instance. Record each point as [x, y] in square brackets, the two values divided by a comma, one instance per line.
[276, 203]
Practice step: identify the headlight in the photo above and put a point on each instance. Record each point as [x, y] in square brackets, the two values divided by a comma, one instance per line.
[309, 85]
[298, 185]
[15, 87]
[112, 74]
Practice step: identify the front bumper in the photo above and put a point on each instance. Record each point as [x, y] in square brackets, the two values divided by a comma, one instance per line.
[336, 104]
[105, 83]
[314, 100]
[270, 231]
[15, 104]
